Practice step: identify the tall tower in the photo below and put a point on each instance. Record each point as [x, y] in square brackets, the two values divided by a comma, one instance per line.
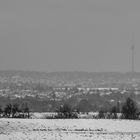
[133, 58]
[133, 53]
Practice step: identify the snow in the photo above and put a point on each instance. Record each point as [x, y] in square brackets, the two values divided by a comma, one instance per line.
[68, 129]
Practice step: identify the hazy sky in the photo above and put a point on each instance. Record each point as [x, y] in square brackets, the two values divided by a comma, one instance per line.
[69, 35]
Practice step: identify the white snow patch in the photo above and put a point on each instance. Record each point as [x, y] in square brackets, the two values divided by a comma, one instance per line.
[69, 129]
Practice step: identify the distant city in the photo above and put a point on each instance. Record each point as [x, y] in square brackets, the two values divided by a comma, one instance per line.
[105, 88]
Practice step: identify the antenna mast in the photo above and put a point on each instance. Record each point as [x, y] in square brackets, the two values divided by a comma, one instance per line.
[133, 54]
[133, 58]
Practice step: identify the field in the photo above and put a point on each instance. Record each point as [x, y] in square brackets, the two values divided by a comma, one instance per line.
[69, 129]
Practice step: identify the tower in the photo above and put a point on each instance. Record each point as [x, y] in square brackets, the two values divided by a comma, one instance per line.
[133, 58]
[133, 52]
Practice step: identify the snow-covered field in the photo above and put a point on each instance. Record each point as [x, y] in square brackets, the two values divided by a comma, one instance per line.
[69, 129]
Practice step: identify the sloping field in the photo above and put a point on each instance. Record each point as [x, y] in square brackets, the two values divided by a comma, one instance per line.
[69, 129]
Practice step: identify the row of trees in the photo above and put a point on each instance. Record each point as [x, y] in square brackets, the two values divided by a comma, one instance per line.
[66, 111]
[15, 111]
[129, 110]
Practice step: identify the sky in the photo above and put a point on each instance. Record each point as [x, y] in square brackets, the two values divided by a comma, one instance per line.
[69, 35]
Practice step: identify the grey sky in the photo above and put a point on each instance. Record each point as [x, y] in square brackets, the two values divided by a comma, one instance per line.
[69, 35]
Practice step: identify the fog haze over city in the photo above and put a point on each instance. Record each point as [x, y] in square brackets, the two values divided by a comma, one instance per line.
[69, 69]
[69, 35]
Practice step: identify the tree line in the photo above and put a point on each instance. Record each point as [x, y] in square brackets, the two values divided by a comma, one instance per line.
[129, 110]
[15, 111]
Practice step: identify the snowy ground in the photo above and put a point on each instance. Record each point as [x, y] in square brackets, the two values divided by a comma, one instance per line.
[74, 129]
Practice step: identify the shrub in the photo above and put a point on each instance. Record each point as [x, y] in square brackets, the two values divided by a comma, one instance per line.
[129, 109]
[113, 112]
[102, 113]
[25, 110]
[66, 111]
[15, 109]
[8, 110]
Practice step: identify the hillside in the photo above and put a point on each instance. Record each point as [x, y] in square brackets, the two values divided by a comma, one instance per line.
[83, 79]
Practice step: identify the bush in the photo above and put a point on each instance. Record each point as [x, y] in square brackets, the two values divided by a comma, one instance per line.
[14, 111]
[129, 110]
[66, 111]
[25, 110]
[102, 114]
[8, 110]
[113, 112]
[1, 111]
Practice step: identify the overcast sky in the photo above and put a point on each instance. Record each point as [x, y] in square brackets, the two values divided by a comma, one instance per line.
[69, 35]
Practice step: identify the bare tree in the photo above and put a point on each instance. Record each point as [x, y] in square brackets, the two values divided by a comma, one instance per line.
[8, 110]
[129, 109]
[66, 111]
[15, 109]
[1, 111]
[113, 112]
[25, 110]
